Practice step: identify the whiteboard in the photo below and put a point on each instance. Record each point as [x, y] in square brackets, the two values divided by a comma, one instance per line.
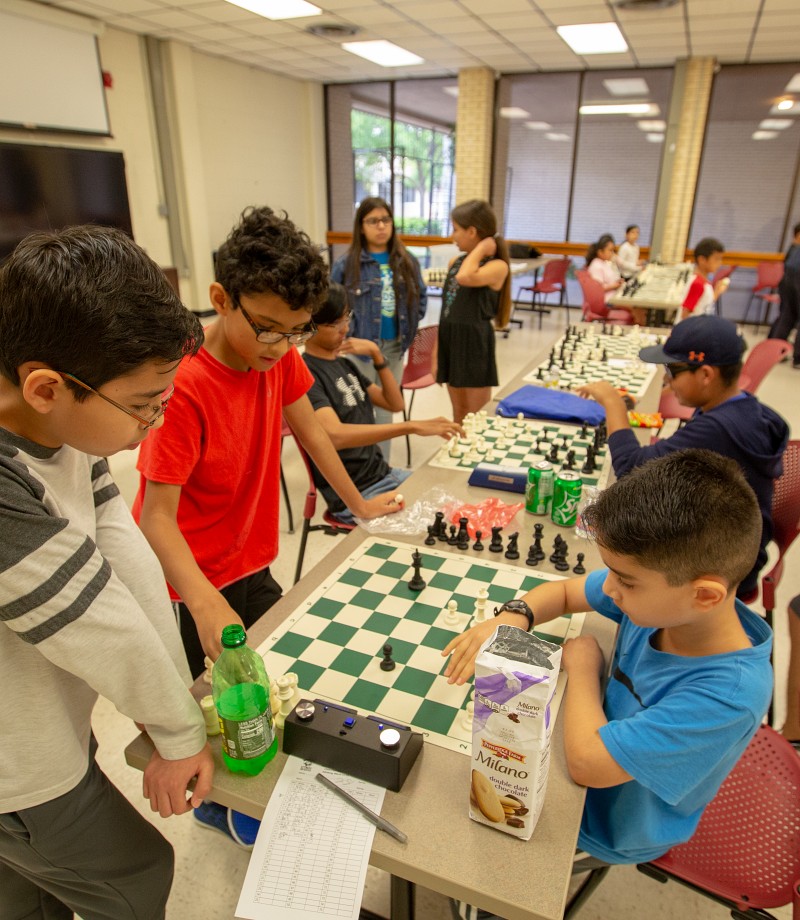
[50, 77]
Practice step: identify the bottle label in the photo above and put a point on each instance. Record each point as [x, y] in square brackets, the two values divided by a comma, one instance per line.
[246, 739]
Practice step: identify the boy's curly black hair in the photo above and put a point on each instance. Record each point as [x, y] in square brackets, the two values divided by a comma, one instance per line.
[265, 253]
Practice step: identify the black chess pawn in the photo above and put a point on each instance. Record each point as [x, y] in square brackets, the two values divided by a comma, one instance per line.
[561, 564]
[532, 557]
[537, 549]
[553, 455]
[579, 568]
[556, 548]
[430, 540]
[512, 551]
[451, 540]
[583, 430]
[569, 463]
[540, 374]
[496, 546]
[388, 664]
[417, 582]
[441, 527]
[462, 537]
[477, 545]
[588, 463]
[605, 355]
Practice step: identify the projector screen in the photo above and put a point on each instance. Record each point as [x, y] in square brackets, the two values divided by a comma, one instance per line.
[50, 76]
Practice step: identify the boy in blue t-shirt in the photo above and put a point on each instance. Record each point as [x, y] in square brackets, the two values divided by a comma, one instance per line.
[691, 677]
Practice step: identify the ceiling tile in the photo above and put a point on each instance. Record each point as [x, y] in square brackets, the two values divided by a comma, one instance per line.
[129, 7]
[173, 19]
[516, 21]
[490, 7]
[131, 24]
[220, 12]
[458, 27]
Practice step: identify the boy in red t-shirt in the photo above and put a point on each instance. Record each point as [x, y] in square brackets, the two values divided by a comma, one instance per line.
[208, 497]
[701, 296]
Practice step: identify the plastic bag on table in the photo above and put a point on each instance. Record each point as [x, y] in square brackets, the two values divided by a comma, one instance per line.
[489, 513]
[415, 518]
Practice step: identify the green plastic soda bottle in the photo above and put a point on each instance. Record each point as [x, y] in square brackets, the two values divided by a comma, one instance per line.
[240, 687]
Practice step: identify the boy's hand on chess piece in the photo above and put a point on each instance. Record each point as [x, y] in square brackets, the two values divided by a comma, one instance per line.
[388, 503]
[601, 391]
[443, 427]
[582, 655]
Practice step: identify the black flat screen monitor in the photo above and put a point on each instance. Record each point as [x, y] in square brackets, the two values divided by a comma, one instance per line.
[49, 188]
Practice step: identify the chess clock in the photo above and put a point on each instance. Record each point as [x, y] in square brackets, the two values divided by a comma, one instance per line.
[517, 606]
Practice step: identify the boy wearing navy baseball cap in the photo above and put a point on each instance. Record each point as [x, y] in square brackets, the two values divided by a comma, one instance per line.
[702, 361]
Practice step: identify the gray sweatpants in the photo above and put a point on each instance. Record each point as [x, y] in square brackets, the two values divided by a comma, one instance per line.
[88, 851]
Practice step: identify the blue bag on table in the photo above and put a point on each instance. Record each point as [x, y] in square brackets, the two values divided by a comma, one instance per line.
[555, 405]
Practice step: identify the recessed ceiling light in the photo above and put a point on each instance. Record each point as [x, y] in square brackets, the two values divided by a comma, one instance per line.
[793, 86]
[450, 90]
[775, 124]
[382, 52]
[648, 125]
[655, 138]
[635, 86]
[555, 136]
[764, 135]
[621, 108]
[594, 38]
[784, 105]
[278, 9]
[513, 111]
[538, 125]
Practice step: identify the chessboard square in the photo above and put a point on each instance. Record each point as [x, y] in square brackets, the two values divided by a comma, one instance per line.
[431, 563]
[401, 649]
[310, 625]
[365, 695]
[400, 706]
[437, 638]
[394, 569]
[409, 631]
[429, 658]
[278, 664]
[340, 592]
[354, 576]
[291, 645]
[381, 623]
[394, 606]
[350, 662]
[435, 717]
[307, 674]
[354, 616]
[423, 613]
[444, 580]
[480, 573]
[450, 695]
[368, 599]
[338, 634]
[381, 550]
[325, 607]
[465, 603]
[553, 631]
[322, 653]
[382, 584]
[530, 582]
[367, 642]
[414, 681]
[333, 685]
[433, 597]
[499, 594]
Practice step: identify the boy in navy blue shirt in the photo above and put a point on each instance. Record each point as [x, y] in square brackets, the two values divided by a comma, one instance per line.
[691, 677]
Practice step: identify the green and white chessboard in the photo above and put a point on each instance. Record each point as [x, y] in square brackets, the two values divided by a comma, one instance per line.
[334, 640]
[512, 443]
[634, 376]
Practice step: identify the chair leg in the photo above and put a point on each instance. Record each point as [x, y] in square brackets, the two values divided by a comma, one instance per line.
[407, 417]
[749, 304]
[288, 503]
[302, 551]
[583, 894]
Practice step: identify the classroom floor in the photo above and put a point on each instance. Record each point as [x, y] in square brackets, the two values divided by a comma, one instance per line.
[210, 868]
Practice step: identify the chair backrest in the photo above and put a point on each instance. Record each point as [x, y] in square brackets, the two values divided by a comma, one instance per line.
[594, 305]
[555, 271]
[786, 499]
[762, 358]
[725, 272]
[768, 275]
[669, 407]
[420, 355]
[310, 504]
[747, 845]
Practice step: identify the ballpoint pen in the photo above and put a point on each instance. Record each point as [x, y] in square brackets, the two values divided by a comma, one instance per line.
[379, 822]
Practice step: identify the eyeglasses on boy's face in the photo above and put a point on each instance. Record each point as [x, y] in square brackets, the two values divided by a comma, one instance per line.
[377, 221]
[267, 337]
[672, 370]
[154, 413]
[338, 323]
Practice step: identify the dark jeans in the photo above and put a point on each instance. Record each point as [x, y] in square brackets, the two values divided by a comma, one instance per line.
[250, 597]
[87, 852]
[789, 315]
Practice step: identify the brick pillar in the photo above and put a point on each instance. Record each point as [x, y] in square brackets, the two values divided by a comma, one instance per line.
[691, 93]
[475, 120]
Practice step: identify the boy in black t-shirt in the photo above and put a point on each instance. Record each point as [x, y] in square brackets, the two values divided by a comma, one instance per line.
[343, 399]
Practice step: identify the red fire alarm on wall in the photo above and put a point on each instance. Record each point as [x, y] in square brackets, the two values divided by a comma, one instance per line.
[108, 80]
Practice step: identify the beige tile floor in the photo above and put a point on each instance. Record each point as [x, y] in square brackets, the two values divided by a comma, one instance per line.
[210, 868]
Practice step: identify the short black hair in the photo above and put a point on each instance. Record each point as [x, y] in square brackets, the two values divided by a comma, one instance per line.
[88, 301]
[334, 307]
[265, 253]
[796, 229]
[707, 247]
[687, 515]
[631, 227]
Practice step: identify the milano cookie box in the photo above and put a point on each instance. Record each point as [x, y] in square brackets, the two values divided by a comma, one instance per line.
[515, 678]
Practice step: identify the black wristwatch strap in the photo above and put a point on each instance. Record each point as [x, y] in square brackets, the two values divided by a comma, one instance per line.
[380, 367]
[517, 607]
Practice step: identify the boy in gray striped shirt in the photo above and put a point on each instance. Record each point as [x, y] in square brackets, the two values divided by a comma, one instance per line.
[90, 338]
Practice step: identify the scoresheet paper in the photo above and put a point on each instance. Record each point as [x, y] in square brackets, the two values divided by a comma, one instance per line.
[311, 853]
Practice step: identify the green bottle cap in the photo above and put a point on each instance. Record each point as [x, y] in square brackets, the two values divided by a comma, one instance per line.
[233, 636]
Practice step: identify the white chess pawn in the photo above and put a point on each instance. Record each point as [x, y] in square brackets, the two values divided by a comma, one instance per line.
[209, 668]
[469, 715]
[451, 617]
[520, 419]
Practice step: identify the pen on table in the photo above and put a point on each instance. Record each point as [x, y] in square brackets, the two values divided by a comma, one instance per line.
[379, 822]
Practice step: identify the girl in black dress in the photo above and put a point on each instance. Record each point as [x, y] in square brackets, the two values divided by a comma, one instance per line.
[476, 299]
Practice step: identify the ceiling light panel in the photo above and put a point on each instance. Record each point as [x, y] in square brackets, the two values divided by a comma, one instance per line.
[382, 52]
[635, 86]
[594, 38]
[279, 9]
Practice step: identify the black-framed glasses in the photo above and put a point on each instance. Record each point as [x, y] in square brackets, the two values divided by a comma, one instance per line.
[155, 412]
[343, 320]
[672, 370]
[377, 221]
[267, 337]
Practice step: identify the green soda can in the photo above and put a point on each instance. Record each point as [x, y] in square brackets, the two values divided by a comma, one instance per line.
[539, 489]
[566, 495]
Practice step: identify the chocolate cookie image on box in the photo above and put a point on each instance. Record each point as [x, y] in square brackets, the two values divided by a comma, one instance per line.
[487, 799]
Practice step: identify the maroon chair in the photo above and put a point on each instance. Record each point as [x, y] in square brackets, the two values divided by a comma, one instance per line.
[725, 272]
[417, 374]
[762, 358]
[594, 306]
[285, 432]
[745, 853]
[553, 281]
[768, 277]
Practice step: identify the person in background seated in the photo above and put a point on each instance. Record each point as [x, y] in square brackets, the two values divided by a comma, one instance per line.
[789, 290]
[343, 399]
[601, 265]
[701, 296]
[702, 359]
[628, 260]
[691, 677]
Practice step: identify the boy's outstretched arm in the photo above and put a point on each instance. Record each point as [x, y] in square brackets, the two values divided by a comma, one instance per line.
[588, 760]
[159, 523]
[345, 435]
[303, 421]
[547, 601]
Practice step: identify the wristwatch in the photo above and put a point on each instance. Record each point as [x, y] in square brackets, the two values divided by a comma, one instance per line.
[380, 367]
[517, 606]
